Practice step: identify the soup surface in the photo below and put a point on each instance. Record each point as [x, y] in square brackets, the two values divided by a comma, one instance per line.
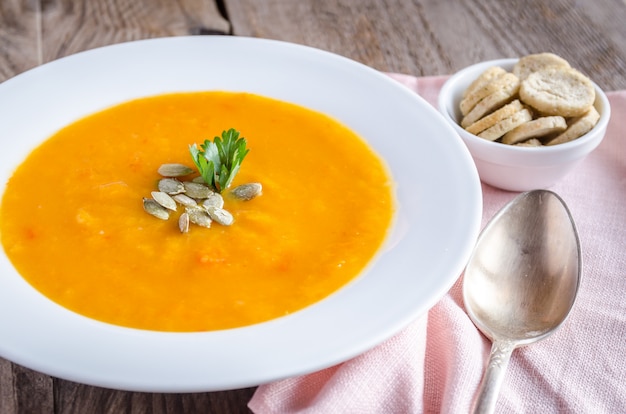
[73, 225]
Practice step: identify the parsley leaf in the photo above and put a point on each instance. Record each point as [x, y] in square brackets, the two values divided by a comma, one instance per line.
[219, 160]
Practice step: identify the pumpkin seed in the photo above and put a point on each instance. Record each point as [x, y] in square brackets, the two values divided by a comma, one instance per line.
[184, 200]
[198, 180]
[221, 216]
[247, 192]
[196, 190]
[164, 200]
[174, 170]
[171, 186]
[183, 223]
[214, 200]
[199, 216]
[154, 208]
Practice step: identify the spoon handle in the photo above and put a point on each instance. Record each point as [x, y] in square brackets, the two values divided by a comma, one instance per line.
[494, 375]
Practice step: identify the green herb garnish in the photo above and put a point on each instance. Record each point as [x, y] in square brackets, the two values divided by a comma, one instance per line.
[220, 159]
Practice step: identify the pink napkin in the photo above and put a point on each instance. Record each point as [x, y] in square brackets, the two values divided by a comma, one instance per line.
[435, 364]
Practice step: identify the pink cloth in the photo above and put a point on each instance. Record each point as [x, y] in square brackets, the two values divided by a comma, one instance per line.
[435, 364]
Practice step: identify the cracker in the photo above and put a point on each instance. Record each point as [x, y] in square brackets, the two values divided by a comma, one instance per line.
[533, 142]
[578, 127]
[479, 94]
[490, 103]
[558, 91]
[495, 117]
[533, 63]
[536, 128]
[487, 76]
[506, 125]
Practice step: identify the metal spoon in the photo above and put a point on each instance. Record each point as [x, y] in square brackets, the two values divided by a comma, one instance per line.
[521, 280]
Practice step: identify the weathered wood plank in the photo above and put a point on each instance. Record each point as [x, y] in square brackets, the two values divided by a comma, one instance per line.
[24, 391]
[431, 37]
[70, 26]
[72, 398]
[18, 36]
[8, 393]
[39, 398]
[37, 31]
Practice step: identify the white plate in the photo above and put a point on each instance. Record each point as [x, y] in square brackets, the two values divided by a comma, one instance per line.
[437, 223]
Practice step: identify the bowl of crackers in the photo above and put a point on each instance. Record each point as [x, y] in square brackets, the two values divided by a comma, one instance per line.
[527, 122]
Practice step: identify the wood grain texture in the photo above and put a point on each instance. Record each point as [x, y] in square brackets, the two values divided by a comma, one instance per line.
[8, 393]
[18, 36]
[24, 391]
[72, 398]
[70, 26]
[432, 37]
[38, 31]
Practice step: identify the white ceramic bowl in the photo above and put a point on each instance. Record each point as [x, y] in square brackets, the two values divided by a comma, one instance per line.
[511, 167]
[437, 221]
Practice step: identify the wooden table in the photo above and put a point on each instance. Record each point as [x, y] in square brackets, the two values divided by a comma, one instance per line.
[419, 37]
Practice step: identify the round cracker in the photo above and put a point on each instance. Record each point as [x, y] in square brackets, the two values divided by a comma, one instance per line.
[495, 117]
[536, 62]
[490, 103]
[577, 127]
[506, 125]
[484, 78]
[558, 91]
[533, 142]
[500, 82]
[536, 128]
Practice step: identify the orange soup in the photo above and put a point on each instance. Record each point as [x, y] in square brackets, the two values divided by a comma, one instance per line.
[73, 225]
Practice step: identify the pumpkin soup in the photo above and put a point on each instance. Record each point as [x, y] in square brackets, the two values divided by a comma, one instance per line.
[73, 224]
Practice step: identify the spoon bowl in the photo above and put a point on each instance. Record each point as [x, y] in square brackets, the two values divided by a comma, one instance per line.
[521, 280]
